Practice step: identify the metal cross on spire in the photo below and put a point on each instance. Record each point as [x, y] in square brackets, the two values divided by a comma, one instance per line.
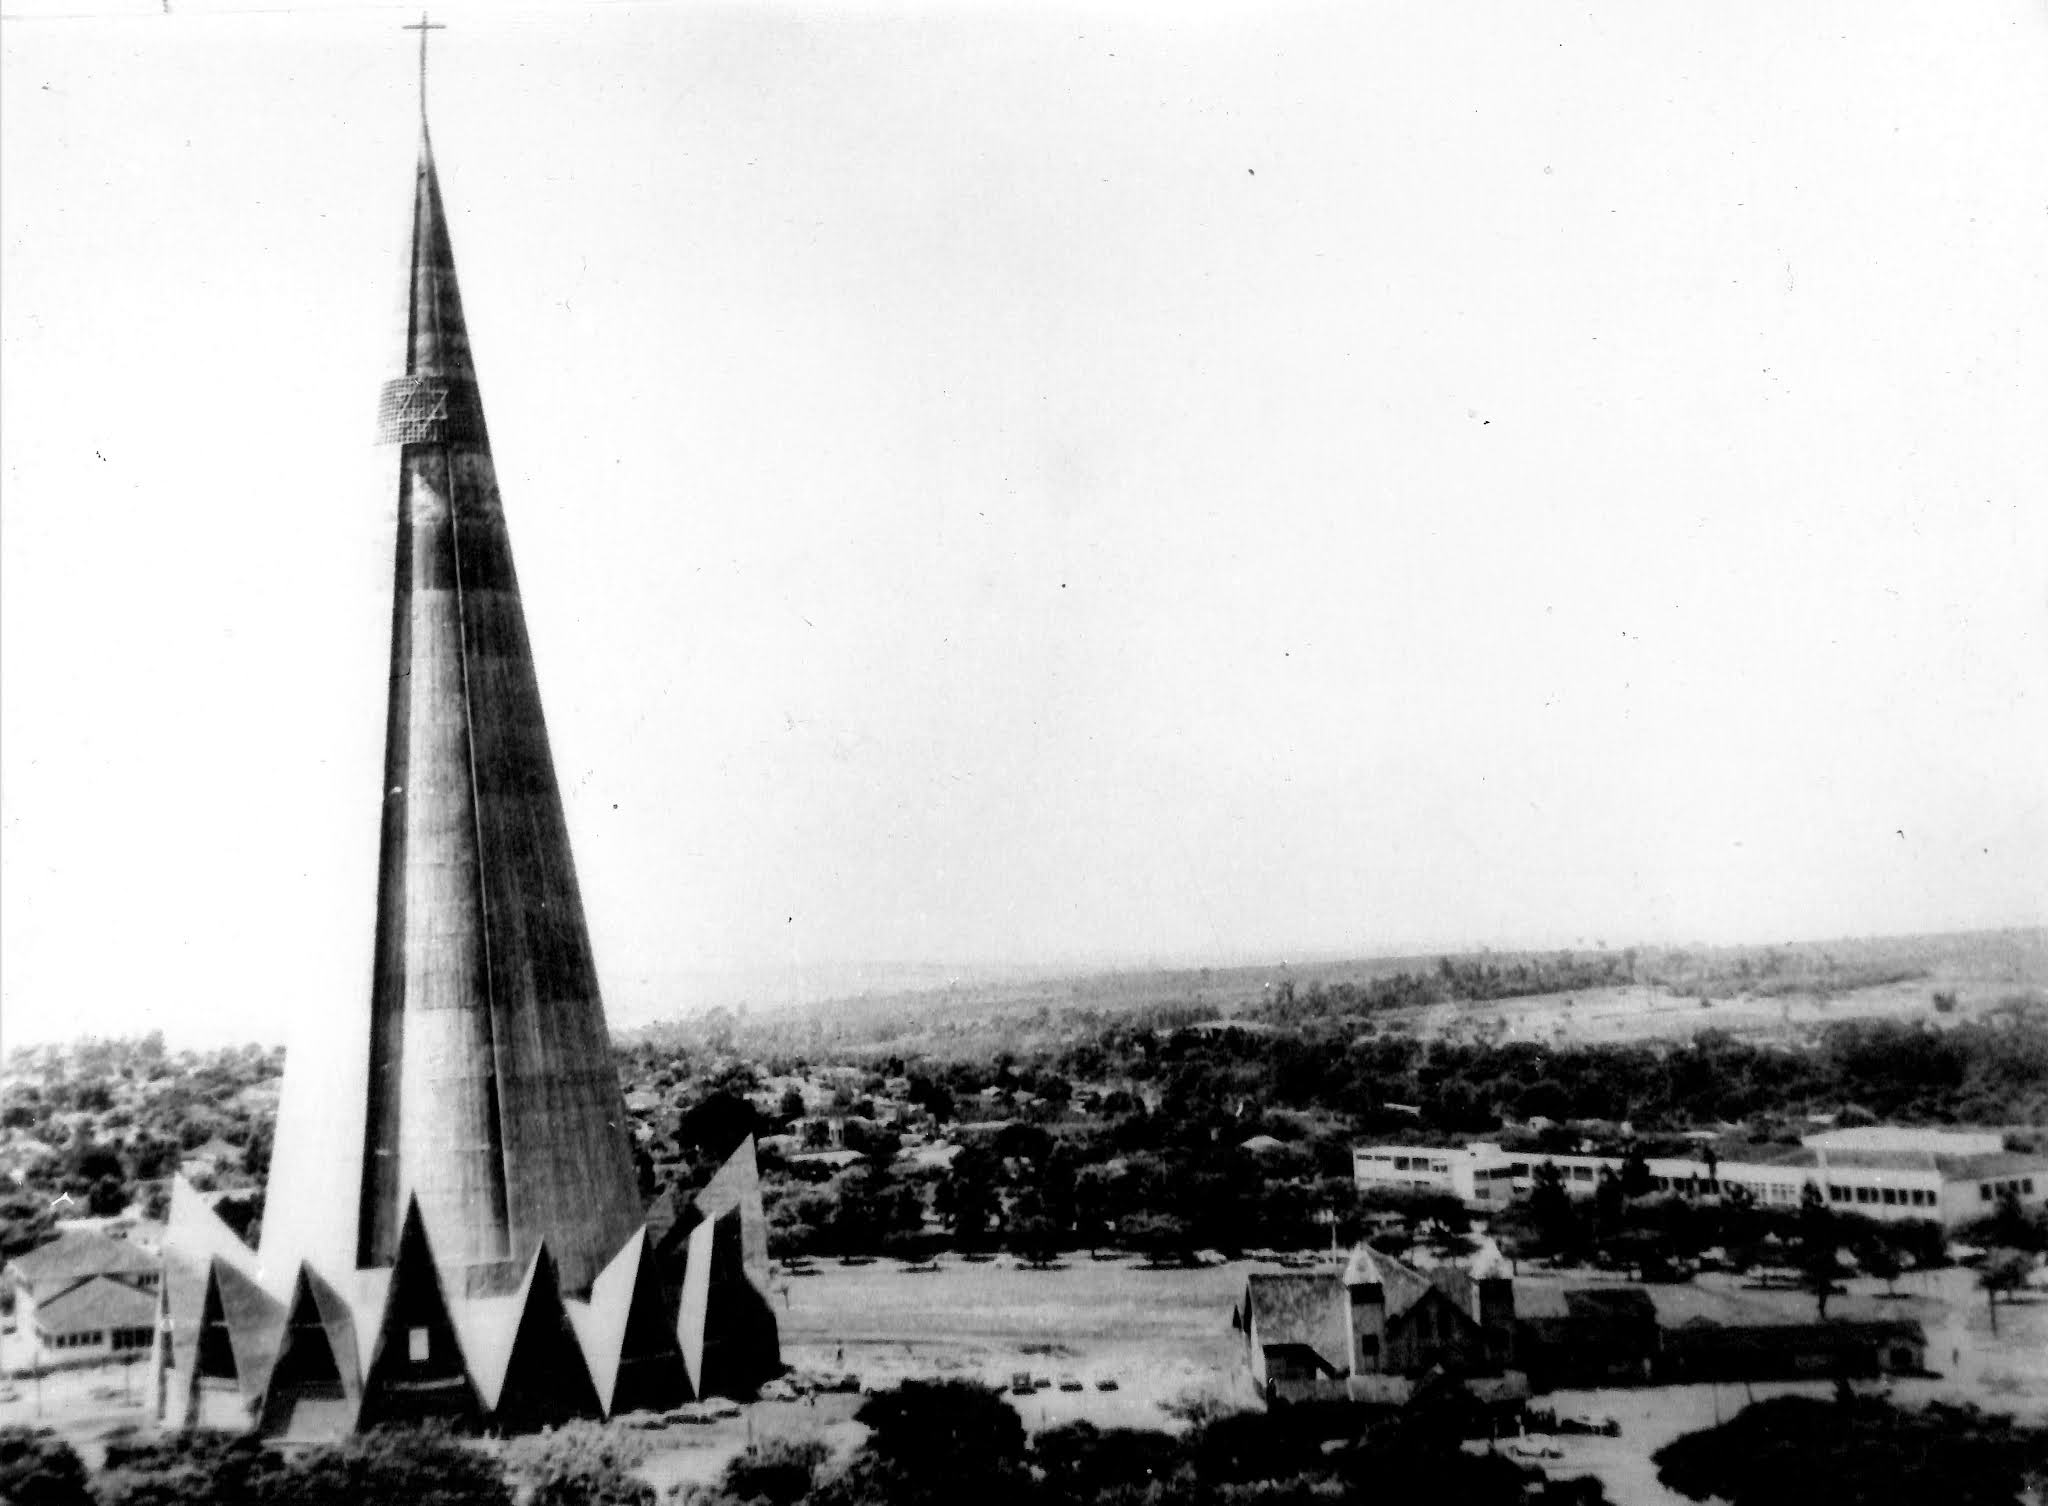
[423, 26]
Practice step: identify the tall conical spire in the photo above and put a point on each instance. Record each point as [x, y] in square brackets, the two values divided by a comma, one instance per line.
[452, 1215]
[491, 1096]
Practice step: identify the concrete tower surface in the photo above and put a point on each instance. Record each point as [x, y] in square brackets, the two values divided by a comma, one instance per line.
[452, 1198]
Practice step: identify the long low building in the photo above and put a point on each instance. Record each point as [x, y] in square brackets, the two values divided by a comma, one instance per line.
[84, 1296]
[1949, 1177]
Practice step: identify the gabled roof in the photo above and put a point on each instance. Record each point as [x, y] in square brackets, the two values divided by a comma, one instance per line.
[97, 1303]
[71, 1258]
[1402, 1285]
[1287, 1308]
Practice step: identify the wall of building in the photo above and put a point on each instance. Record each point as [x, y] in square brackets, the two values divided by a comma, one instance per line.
[1484, 1176]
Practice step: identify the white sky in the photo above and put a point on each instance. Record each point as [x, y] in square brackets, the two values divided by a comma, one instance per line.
[1026, 484]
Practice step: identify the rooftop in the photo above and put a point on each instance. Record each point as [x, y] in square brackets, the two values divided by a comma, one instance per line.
[99, 1303]
[1297, 1309]
[72, 1257]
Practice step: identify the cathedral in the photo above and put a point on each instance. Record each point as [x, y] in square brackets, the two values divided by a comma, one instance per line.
[453, 1228]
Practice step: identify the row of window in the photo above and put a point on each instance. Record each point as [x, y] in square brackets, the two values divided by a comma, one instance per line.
[1908, 1197]
[1989, 1190]
[1413, 1163]
[98, 1338]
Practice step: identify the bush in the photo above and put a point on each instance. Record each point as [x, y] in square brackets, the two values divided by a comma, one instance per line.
[581, 1464]
[37, 1468]
[190, 1469]
[1802, 1451]
[779, 1472]
[417, 1466]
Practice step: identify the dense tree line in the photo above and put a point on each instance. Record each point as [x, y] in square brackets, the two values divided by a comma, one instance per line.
[939, 1443]
[1853, 1451]
[927, 1444]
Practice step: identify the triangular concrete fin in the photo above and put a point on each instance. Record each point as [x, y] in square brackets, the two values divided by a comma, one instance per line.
[627, 1337]
[417, 1370]
[240, 1328]
[487, 1327]
[696, 1302]
[314, 1390]
[186, 1278]
[740, 1343]
[737, 1185]
[545, 1380]
[600, 1323]
[195, 1231]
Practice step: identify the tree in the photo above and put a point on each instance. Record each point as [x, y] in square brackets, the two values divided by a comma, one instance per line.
[1635, 1174]
[1163, 1237]
[966, 1196]
[1879, 1259]
[714, 1126]
[935, 1443]
[193, 1469]
[1557, 1220]
[421, 1467]
[1031, 1232]
[2003, 1271]
[1819, 1246]
[1609, 1206]
[580, 1464]
[37, 1468]
[109, 1196]
[779, 1472]
[26, 1220]
[1095, 1200]
[256, 1154]
[2010, 1226]
[1804, 1451]
[1082, 1462]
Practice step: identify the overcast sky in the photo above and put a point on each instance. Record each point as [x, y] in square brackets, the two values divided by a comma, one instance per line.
[1023, 484]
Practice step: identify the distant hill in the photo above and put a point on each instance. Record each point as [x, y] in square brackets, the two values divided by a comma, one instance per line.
[1653, 992]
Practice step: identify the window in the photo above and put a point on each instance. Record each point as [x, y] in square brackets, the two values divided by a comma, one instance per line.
[1866, 1194]
[1984, 1192]
[1582, 1173]
[2027, 1186]
[1891, 1195]
[416, 1346]
[1836, 1194]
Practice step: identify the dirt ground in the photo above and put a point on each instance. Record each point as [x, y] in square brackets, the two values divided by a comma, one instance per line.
[1158, 1334]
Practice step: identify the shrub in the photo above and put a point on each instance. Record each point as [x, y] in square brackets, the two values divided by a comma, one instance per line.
[37, 1468]
[779, 1472]
[582, 1464]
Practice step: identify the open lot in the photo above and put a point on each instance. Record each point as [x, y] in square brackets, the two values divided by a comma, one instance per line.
[1158, 1334]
